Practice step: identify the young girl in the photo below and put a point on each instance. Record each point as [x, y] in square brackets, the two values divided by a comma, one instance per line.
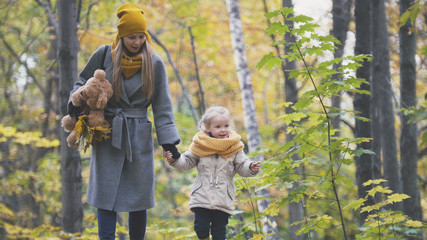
[217, 153]
[122, 167]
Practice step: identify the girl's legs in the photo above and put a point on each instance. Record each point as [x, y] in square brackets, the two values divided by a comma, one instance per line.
[219, 221]
[137, 225]
[106, 224]
[201, 222]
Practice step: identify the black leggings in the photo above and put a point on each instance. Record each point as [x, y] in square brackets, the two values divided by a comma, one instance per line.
[208, 220]
[107, 224]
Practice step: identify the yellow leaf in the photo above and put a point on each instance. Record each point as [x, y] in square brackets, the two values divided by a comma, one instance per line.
[378, 189]
[411, 223]
[374, 181]
[79, 128]
[355, 204]
[90, 217]
[373, 207]
[397, 197]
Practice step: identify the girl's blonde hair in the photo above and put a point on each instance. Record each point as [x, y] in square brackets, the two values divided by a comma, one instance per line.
[147, 72]
[210, 113]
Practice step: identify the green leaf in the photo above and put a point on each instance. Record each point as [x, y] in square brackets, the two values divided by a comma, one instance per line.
[269, 61]
[410, 14]
[277, 28]
[301, 19]
[272, 14]
[272, 209]
[358, 152]
[355, 204]
[292, 117]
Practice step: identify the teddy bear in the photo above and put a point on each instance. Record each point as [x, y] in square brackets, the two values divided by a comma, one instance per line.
[92, 99]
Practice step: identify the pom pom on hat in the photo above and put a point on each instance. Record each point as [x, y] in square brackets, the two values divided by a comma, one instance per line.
[131, 20]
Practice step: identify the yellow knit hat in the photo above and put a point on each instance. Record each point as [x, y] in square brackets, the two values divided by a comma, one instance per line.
[131, 20]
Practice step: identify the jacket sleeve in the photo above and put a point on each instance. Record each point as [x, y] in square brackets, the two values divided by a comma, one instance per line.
[242, 164]
[162, 106]
[187, 161]
[94, 63]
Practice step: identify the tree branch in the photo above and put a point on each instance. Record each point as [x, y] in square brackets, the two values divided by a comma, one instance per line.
[178, 76]
[422, 153]
[193, 49]
[50, 15]
[23, 63]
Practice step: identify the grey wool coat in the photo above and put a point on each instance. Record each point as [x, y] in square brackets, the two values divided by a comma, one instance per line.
[122, 167]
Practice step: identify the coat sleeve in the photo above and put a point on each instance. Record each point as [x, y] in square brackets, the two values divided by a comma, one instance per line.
[242, 164]
[187, 161]
[162, 106]
[94, 63]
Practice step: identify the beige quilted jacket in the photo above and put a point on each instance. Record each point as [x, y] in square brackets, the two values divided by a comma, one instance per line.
[214, 187]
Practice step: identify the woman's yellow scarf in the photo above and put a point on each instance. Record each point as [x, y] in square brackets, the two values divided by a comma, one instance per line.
[204, 145]
[130, 65]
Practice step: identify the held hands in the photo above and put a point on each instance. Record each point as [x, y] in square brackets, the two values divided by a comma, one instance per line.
[172, 149]
[168, 156]
[255, 167]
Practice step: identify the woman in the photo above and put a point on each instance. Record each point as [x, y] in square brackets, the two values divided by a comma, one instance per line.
[122, 167]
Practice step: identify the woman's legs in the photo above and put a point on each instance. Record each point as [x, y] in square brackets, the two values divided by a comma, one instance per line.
[137, 224]
[106, 224]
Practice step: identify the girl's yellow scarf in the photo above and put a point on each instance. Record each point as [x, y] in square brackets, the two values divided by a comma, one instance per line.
[204, 145]
[130, 65]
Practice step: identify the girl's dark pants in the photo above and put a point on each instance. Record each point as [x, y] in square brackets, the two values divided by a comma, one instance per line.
[107, 224]
[214, 220]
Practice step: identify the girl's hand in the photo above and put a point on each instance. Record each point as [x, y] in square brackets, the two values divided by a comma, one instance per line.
[168, 156]
[255, 166]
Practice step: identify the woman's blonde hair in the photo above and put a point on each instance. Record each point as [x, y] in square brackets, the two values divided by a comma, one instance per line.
[210, 113]
[147, 71]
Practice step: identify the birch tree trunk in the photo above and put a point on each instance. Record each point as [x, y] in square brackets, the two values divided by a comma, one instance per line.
[382, 80]
[362, 102]
[72, 207]
[408, 137]
[250, 120]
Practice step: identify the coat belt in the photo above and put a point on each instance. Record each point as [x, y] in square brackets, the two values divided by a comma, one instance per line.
[120, 126]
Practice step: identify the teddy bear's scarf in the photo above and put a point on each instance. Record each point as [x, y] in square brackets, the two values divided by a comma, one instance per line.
[204, 145]
[131, 65]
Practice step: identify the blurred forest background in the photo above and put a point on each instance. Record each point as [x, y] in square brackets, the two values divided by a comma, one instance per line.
[330, 96]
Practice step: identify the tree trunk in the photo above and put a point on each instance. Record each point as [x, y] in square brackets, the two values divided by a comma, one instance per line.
[361, 102]
[408, 137]
[382, 80]
[72, 207]
[250, 120]
[296, 210]
[340, 18]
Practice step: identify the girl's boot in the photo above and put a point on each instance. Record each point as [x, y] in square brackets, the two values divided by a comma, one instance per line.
[208, 238]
